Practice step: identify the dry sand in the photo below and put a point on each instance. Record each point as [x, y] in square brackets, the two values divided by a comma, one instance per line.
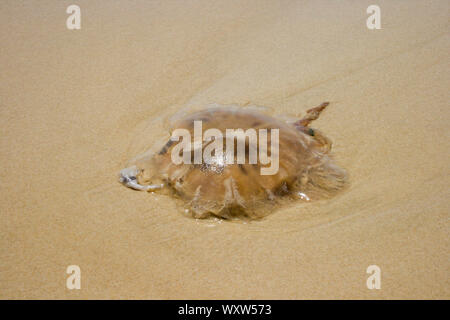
[76, 105]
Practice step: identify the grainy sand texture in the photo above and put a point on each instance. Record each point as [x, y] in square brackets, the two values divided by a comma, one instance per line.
[76, 105]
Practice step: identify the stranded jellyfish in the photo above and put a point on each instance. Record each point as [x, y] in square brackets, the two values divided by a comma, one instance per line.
[238, 162]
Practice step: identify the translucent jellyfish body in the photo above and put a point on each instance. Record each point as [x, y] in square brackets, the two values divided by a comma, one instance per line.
[239, 162]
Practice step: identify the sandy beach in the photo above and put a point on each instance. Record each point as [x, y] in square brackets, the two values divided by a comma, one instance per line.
[76, 105]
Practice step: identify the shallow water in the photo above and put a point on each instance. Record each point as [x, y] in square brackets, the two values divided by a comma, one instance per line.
[75, 105]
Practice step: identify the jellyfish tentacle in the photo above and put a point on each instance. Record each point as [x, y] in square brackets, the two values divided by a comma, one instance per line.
[319, 137]
[312, 114]
[128, 176]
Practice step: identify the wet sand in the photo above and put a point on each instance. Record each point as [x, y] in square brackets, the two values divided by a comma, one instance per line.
[76, 105]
